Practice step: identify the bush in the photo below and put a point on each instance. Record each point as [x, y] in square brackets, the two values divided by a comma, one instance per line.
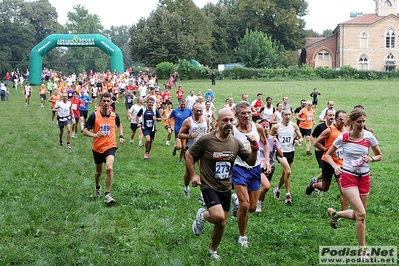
[164, 70]
[325, 73]
[187, 70]
[348, 72]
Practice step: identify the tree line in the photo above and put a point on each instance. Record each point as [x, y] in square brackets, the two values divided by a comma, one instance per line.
[258, 33]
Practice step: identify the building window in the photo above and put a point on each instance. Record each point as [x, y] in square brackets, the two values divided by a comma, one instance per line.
[363, 63]
[363, 40]
[390, 63]
[323, 56]
[387, 3]
[390, 39]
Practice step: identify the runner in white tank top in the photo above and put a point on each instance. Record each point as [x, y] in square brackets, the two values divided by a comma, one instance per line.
[246, 179]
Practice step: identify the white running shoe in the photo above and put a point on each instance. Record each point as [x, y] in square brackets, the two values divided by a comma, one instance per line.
[213, 255]
[259, 207]
[97, 192]
[141, 144]
[167, 143]
[199, 222]
[109, 199]
[243, 241]
[186, 192]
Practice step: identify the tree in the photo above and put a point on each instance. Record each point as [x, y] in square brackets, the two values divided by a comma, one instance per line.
[224, 42]
[17, 37]
[175, 30]
[120, 36]
[42, 16]
[281, 20]
[84, 58]
[257, 50]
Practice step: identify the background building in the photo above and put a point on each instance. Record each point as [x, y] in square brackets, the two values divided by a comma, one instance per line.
[365, 42]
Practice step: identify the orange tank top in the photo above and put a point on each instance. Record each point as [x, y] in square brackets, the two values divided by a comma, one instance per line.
[337, 156]
[309, 116]
[107, 126]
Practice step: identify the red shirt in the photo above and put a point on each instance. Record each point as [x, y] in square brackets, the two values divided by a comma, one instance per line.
[179, 94]
[166, 96]
[131, 87]
[75, 104]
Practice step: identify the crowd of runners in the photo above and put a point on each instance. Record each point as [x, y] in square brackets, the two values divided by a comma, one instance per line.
[237, 146]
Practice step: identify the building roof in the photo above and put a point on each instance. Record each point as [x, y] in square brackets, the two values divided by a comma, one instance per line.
[365, 19]
[312, 40]
[316, 41]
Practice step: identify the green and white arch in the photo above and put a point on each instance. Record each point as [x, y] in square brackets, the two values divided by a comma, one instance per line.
[71, 40]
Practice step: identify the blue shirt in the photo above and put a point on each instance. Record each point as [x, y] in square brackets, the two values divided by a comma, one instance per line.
[85, 99]
[180, 116]
[209, 94]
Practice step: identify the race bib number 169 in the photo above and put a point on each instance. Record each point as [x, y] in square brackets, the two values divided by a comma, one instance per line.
[105, 128]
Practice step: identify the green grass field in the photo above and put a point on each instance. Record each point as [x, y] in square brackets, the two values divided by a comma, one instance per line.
[48, 215]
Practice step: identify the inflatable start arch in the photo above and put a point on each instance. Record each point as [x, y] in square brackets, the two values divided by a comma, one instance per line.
[71, 40]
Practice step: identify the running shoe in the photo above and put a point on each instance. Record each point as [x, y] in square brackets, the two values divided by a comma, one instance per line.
[61, 144]
[288, 199]
[146, 156]
[109, 199]
[333, 221]
[69, 146]
[310, 188]
[174, 151]
[141, 144]
[97, 192]
[187, 192]
[199, 222]
[243, 241]
[213, 255]
[131, 142]
[308, 153]
[167, 143]
[179, 162]
[365, 256]
[276, 193]
[259, 207]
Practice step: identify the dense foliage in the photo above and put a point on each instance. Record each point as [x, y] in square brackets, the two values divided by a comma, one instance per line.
[23, 24]
[178, 29]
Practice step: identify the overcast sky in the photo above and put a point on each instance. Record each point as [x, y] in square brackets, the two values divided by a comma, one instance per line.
[323, 14]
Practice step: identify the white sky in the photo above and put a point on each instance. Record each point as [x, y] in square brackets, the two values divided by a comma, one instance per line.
[323, 14]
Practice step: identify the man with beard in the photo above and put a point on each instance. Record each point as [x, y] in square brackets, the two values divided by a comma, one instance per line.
[217, 151]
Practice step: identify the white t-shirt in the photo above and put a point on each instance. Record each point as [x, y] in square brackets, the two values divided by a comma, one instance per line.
[352, 151]
[134, 110]
[191, 101]
[143, 91]
[63, 108]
